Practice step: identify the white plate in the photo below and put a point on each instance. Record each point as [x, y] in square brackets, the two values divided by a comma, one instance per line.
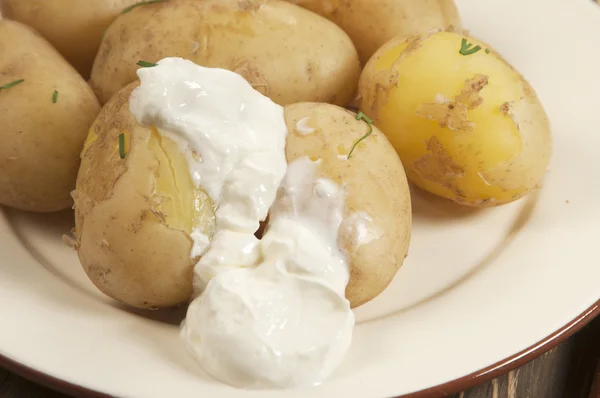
[477, 287]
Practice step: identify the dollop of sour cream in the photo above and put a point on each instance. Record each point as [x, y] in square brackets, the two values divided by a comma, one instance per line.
[269, 312]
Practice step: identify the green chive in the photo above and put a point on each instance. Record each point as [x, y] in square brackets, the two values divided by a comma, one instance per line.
[145, 64]
[362, 116]
[487, 51]
[11, 84]
[54, 97]
[122, 146]
[467, 48]
[141, 3]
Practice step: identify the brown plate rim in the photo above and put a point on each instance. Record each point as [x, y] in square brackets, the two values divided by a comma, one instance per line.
[451, 387]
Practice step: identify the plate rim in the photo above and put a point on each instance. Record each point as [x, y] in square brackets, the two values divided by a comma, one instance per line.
[450, 387]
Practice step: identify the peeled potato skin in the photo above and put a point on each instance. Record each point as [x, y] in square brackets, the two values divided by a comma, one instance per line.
[468, 128]
[40, 140]
[131, 248]
[375, 183]
[286, 52]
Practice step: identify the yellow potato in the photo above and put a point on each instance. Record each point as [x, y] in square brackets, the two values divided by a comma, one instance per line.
[466, 125]
[46, 109]
[372, 23]
[134, 215]
[284, 51]
[73, 27]
[376, 230]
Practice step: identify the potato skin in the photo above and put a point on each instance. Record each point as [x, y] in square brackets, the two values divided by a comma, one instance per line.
[468, 128]
[375, 183]
[372, 23]
[40, 140]
[73, 27]
[284, 51]
[130, 247]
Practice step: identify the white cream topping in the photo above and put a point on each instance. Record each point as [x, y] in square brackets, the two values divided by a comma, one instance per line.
[359, 229]
[269, 312]
[303, 126]
[282, 320]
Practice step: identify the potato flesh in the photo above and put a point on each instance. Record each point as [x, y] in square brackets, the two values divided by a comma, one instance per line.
[179, 204]
[453, 118]
[183, 206]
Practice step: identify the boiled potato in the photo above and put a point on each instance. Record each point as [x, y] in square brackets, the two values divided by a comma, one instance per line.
[135, 208]
[73, 27]
[372, 23]
[467, 126]
[284, 51]
[46, 109]
[376, 230]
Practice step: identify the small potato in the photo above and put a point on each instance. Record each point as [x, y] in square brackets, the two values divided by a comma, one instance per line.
[46, 109]
[134, 215]
[284, 51]
[73, 27]
[372, 23]
[376, 230]
[467, 126]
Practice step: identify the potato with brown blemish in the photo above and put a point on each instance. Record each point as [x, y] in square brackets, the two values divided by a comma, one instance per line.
[375, 234]
[285, 52]
[135, 209]
[372, 23]
[73, 27]
[466, 124]
[46, 109]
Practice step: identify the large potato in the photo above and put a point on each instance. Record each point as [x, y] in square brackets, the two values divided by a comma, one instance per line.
[284, 51]
[73, 27]
[43, 121]
[466, 125]
[134, 215]
[372, 23]
[376, 230]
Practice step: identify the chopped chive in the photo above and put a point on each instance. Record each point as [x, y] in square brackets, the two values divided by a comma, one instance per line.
[145, 64]
[122, 145]
[362, 116]
[467, 48]
[54, 97]
[11, 84]
[141, 3]
[487, 51]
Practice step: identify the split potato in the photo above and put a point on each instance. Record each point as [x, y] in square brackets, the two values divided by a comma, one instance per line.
[46, 109]
[135, 208]
[376, 230]
[73, 27]
[466, 124]
[285, 52]
[134, 214]
[372, 23]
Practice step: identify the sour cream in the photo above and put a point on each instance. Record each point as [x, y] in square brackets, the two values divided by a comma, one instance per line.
[270, 312]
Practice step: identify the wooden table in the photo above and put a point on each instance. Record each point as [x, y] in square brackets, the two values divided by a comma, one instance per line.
[571, 370]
